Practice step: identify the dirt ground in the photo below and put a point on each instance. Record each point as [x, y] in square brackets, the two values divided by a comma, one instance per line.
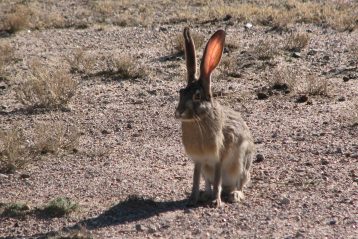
[130, 175]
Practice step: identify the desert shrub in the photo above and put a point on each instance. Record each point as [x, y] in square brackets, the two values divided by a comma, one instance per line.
[283, 79]
[6, 56]
[197, 37]
[17, 20]
[296, 41]
[77, 233]
[55, 136]
[125, 67]
[46, 89]
[265, 50]
[14, 151]
[59, 207]
[316, 86]
[15, 210]
[81, 61]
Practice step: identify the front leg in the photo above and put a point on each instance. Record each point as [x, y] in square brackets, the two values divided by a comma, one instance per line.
[217, 185]
[196, 182]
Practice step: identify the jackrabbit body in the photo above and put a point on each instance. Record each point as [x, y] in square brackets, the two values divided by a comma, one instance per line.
[216, 138]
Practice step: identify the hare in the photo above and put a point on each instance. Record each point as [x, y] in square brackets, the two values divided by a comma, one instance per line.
[216, 138]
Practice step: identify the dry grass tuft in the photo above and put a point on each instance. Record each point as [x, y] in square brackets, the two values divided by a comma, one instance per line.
[6, 56]
[55, 136]
[14, 209]
[265, 50]
[46, 89]
[81, 61]
[283, 79]
[198, 39]
[125, 67]
[17, 20]
[81, 233]
[14, 151]
[297, 41]
[316, 86]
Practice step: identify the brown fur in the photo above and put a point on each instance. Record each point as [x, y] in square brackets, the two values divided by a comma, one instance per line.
[215, 137]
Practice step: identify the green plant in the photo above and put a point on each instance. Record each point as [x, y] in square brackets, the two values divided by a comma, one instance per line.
[15, 210]
[59, 207]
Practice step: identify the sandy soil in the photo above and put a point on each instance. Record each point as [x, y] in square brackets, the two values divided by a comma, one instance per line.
[131, 176]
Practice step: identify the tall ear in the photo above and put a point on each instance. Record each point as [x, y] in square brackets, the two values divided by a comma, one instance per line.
[211, 58]
[189, 55]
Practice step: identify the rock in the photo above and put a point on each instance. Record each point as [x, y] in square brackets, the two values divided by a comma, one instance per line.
[312, 52]
[324, 162]
[346, 78]
[140, 228]
[259, 158]
[129, 126]
[248, 25]
[341, 99]
[262, 96]
[332, 222]
[296, 54]
[24, 176]
[105, 131]
[227, 17]
[3, 175]
[326, 58]
[284, 201]
[302, 99]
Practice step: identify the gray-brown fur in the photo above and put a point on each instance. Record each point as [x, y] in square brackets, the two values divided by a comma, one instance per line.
[215, 137]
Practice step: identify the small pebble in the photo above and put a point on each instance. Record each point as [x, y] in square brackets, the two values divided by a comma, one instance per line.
[259, 158]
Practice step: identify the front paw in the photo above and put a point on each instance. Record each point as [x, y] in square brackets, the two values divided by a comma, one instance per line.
[192, 201]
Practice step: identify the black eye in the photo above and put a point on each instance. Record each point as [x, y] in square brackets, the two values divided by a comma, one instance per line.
[197, 96]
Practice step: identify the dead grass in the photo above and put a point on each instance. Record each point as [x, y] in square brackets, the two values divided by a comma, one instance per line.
[283, 79]
[316, 86]
[46, 89]
[124, 67]
[6, 56]
[55, 136]
[198, 39]
[81, 61]
[265, 50]
[14, 150]
[17, 20]
[296, 41]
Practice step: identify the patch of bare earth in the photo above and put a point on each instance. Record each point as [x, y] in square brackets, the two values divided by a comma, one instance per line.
[113, 147]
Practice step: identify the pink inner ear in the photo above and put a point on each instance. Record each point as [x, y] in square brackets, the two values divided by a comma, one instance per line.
[213, 52]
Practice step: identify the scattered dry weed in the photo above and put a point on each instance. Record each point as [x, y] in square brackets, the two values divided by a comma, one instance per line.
[296, 41]
[198, 39]
[81, 61]
[6, 56]
[46, 89]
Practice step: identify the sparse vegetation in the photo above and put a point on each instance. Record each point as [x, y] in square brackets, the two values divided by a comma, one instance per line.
[265, 50]
[55, 136]
[316, 86]
[14, 151]
[46, 89]
[59, 207]
[81, 61]
[283, 79]
[81, 233]
[6, 56]
[297, 41]
[198, 39]
[14, 209]
[17, 20]
[124, 67]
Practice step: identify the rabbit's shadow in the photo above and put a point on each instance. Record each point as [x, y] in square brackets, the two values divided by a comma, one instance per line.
[134, 208]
